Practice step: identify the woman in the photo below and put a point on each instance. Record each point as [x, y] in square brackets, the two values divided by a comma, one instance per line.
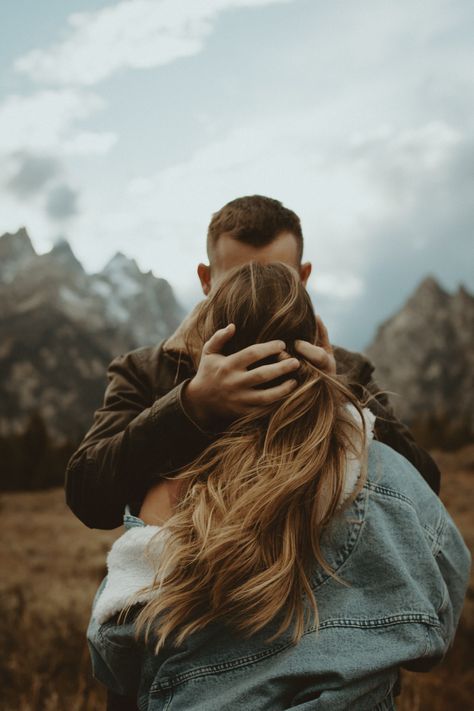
[299, 563]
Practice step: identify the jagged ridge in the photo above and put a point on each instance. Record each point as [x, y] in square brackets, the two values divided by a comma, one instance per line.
[425, 354]
[60, 327]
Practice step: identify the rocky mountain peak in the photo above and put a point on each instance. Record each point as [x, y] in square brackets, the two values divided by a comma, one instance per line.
[424, 354]
[119, 265]
[429, 292]
[16, 250]
[12, 244]
[62, 252]
[463, 294]
[61, 327]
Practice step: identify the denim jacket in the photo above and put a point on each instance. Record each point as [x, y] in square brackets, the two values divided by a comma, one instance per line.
[406, 569]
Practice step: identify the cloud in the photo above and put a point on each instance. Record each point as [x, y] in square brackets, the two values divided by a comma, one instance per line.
[425, 178]
[377, 208]
[37, 135]
[46, 121]
[136, 34]
[62, 202]
[31, 173]
[322, 181]
[358, 120]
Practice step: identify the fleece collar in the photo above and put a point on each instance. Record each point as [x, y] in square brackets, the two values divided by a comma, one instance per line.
[129, 569]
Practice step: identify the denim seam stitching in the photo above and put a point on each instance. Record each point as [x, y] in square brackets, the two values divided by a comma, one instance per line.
[216, 668]
[390, 492]
[389, 621]
[440, 534]
[210, 669]
[350, 545]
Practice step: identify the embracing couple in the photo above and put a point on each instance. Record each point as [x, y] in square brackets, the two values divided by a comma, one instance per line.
[284, 544]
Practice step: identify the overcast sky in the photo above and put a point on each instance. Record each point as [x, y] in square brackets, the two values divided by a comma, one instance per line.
[124, 125]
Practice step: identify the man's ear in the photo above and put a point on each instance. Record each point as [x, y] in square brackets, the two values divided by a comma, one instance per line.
[305, 271]
[204, 274]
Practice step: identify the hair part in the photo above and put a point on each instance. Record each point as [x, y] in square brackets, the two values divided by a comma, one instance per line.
[255, 220]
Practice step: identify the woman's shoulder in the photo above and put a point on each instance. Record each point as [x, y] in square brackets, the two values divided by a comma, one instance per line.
[392, 479]
[388, 468]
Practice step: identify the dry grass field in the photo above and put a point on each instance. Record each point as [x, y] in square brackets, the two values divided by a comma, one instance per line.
[52, 564]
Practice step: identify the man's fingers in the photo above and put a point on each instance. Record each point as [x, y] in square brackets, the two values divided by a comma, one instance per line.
[257, 351]
[218, 339]
[323, 335]
[317, 355]
[266, 373]
[263, 397]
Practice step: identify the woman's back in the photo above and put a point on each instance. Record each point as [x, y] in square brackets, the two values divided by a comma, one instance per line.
[406, 569]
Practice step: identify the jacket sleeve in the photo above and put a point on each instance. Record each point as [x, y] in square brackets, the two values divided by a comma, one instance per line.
[395, 434]
[454, 565]
[448, 586]
[133, 441]
[358, 370]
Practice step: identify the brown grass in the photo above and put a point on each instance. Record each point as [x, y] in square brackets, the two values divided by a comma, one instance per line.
[52, 564]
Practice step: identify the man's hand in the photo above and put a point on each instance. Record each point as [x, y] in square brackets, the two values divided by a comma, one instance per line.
[321, 356]
[222, 388]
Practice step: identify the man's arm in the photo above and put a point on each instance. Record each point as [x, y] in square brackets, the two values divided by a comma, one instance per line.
[395, 434]
[358, 370]
[134, 439]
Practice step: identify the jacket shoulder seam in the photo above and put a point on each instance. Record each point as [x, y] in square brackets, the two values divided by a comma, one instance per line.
[389, 492]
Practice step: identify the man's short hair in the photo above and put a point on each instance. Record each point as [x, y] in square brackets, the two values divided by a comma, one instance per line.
[256, 220]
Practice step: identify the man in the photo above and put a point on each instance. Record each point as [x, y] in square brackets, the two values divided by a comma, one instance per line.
[158, 414]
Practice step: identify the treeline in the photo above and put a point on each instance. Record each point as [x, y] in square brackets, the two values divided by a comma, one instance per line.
[32, 460]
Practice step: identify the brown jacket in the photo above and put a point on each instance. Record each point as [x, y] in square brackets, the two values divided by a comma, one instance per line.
[142, 430]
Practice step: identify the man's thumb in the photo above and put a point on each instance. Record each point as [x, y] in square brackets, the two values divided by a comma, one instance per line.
[217, 340]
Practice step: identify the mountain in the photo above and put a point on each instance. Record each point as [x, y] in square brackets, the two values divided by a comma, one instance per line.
[16, 251]
[60, 327]
[424, 354]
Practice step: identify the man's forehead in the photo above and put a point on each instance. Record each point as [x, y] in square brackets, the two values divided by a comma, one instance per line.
[230, 252]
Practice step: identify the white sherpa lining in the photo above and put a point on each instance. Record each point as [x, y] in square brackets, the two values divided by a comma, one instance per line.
[128, 569]
[353, 463]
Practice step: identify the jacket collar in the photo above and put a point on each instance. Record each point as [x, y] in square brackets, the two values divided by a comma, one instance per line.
[175, 345]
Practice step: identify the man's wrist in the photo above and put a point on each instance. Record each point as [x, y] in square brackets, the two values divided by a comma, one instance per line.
[192, 405]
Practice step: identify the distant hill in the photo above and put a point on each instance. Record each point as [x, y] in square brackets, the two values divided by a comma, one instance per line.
[60, 327]
[425, 354]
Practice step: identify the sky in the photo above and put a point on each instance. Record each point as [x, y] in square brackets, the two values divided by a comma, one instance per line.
[124, 125]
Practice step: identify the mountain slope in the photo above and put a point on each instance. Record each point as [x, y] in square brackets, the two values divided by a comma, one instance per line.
[425, 355]
[60, 327]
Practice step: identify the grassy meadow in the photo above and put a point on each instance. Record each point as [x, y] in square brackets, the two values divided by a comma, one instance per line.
[52, 564]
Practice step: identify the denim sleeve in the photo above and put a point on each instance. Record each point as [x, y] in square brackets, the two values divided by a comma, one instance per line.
[116, 657]
[454, 564]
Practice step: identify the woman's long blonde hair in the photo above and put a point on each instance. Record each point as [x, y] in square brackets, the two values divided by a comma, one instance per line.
[245, 535]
